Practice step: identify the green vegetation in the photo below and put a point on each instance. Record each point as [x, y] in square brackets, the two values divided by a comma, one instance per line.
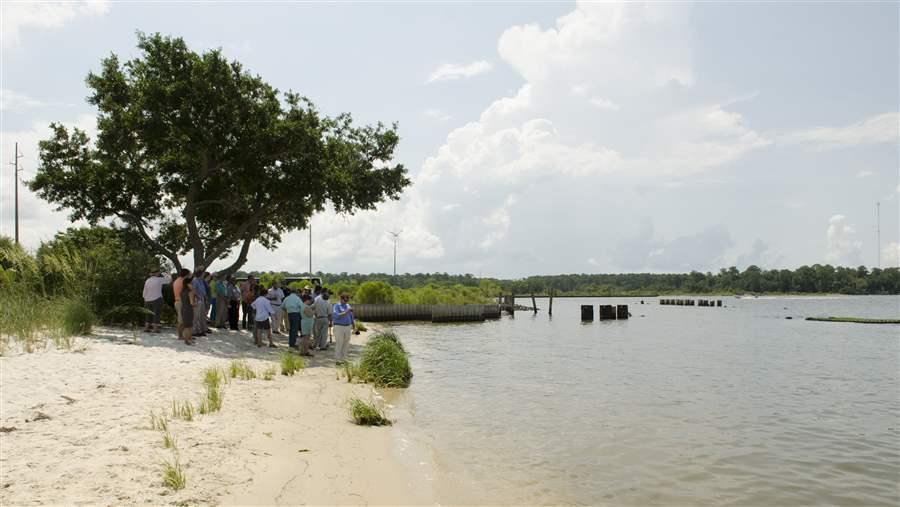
[359, 325]
[77, 318]
[159, 422]
[182, 410]
[173, 474]
[265, 143]
[367, 414]
[169, 441]
[240, 369]
[291, 363]
[214, 377]
[212, 402]
[854, 320]
[384, 362]
[269, 373]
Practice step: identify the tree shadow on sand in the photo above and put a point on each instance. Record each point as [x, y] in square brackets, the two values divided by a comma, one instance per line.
[223, 343]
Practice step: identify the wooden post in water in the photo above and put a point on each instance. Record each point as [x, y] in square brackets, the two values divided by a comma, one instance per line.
[550, 310]
[512, 304]
[622, 312]
[533, 304]
[607, 312]
[587, 313]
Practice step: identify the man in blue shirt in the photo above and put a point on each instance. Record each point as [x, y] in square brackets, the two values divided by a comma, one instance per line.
[342, 318]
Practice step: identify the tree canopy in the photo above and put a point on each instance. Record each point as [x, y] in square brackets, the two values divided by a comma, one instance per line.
[195, 154]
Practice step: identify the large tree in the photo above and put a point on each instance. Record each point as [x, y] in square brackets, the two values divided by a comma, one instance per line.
[195, 154]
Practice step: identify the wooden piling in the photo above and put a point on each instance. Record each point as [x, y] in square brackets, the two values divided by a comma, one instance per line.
[622, 312]
[533, 303]
[550, 309]
[719, 303]
[587, 313]
[607, 312]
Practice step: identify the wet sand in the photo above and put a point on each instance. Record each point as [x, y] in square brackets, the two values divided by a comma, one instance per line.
[76, 429]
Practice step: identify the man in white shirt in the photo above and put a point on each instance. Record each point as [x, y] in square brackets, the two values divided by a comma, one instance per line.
[276, 296]
[153, 299]
[262, 311]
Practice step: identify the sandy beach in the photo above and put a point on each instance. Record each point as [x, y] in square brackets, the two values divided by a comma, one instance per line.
[76, 428]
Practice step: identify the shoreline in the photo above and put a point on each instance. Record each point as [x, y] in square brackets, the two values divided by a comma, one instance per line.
[76, 428]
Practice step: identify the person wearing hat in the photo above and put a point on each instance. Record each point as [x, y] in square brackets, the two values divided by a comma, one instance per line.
[343, 326]
[153, 299]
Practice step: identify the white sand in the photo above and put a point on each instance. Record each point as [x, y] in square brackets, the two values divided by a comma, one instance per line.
[283, 442]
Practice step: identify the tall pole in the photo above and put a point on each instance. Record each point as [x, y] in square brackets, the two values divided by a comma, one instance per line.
[396, 236]
[310, 247]
[878, 230]
[16, 186]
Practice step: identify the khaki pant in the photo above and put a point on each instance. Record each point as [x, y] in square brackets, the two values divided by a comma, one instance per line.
[276, 319]
[199, 316]
[221, 311]
[341, 341]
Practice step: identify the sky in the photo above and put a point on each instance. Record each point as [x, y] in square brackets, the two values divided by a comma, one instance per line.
[541, 138]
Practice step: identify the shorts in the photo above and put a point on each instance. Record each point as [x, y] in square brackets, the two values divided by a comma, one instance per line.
[263, 324]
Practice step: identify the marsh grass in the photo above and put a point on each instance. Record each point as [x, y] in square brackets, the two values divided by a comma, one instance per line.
[290, 363]
[212, 402]
[240, 369]
[173, 474]
[214, 377]
[182, 410]
[269, 373]
[367, 414]
[384, 362]
[77, 317]
[169, 441]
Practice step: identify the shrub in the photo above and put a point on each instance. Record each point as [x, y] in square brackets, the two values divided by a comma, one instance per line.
[173, 474]
[374, 293]
[384, 362]
[290, 363]
[367, 414]
[77, 317]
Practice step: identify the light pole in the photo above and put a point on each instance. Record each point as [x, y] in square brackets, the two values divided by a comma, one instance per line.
[16, 170]
[396, 236]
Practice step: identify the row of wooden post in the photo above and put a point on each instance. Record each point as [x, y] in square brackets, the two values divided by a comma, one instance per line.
[691, 302]
[606, 312]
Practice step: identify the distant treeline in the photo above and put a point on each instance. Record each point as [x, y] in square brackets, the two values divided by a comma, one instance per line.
[817, 278]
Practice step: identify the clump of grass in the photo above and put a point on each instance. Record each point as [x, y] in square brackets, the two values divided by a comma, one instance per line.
[269, 373]
[359, 326]
[384, 362]
[168, 440]
[213, 377]
[212, 402]
[350, 370]
[173, 474]
[240, 369]
[367, 414]
[183, 410]
[77, 318]
[290, 363]
[159, 422]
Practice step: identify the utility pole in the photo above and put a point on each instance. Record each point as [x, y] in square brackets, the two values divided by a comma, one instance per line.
[16, 170]
[878, 231]
[396, 236]
[310, 247]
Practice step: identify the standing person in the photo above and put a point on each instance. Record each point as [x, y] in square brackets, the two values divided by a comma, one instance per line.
[343, 325]
[199, 323]
[153, 299]
[307, 318]
[222, 301]
[207, 277]
[276, 296]
[186, 314]
[177, 285]
[291, 306]
[213, 297]
[234, 301]
[262, 311]
[323, 320]
[248, 291]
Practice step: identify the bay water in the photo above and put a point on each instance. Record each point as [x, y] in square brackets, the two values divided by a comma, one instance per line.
[675, 406]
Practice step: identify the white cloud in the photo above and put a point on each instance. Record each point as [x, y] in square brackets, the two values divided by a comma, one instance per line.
[11, 100]
[437, 114]
[602, 103]
[890, 255]
[19, 16]
[842, 246]
[864, 174]
[882, 128]
[453, 71]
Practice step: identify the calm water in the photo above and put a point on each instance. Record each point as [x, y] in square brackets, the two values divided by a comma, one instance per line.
[677, 406]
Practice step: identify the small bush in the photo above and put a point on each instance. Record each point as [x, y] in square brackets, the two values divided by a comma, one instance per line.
[290, 363]
[173, 474]
[77, 318]
[384, 362]
[367, 414]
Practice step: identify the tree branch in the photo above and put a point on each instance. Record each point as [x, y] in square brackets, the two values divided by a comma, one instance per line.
[138, 224]
[242, 256]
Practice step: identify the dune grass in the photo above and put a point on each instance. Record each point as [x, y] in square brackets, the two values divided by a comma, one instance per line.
[212, 402]
[182, 410]
[169, 441]
[77, 317]
[367, 414]
[240, 369]
[269, 373]
[173, 474]
[159, 422]
[384, 362]
[291, 363]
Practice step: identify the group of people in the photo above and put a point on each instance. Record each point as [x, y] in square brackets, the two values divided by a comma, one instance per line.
[202, 298]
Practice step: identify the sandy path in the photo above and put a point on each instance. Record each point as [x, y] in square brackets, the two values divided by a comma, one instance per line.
[287, 441]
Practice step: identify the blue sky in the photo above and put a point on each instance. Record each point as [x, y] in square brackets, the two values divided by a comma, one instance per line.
[541, 138]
